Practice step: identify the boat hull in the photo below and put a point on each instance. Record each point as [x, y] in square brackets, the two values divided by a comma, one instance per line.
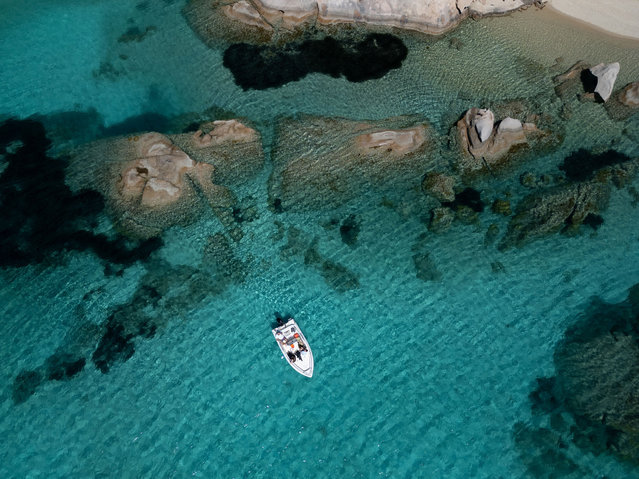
[293, 344]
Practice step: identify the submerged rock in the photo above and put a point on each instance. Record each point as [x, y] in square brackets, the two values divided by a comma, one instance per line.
[597, 376]
[583, 164]
[556, 209]
[439, 186]
[625, 103]
[321, 163]
[606, 75]
[441, 219]
[629, 96]
[153, 181]
[349, 230]
[567, 206]
[501, 207]
[425, 268]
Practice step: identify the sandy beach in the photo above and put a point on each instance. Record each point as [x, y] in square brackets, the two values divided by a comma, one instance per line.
[619, 17]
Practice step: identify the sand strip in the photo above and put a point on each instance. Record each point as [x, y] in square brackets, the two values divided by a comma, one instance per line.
[619, 17]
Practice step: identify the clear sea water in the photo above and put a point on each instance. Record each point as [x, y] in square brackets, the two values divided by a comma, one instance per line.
[413, 379]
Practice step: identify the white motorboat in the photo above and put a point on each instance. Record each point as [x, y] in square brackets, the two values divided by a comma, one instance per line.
[294, 347]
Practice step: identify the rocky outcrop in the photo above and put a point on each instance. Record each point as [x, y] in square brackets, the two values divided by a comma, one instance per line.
[587, 82]
[441, 219]
[232, 147]
[152, 181]
[439, 186]
[566, 207]
[156, 177]
[260, 20]
[561, 208]
[483, 147]
[606, 75]
[625, 103]
[595, 387]
[321, 163]
[570, 84]
[629, 96]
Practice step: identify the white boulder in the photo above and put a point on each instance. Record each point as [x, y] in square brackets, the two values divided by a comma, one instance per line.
[606, 74]
[509, 124]
[484, 121]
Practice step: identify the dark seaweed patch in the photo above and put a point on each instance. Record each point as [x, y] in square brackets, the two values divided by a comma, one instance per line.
[349, 230]
[581, 164]
[62, 366]
[592, 401]
[469, 197]
[114, 346]
[593, 220]
[25, 385]
[260, 67]
[40, 214]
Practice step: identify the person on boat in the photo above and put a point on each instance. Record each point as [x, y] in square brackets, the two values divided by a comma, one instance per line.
[298, 354]
[278, 335]
[291, 356]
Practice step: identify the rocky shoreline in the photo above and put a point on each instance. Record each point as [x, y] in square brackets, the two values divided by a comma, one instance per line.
[260, 21]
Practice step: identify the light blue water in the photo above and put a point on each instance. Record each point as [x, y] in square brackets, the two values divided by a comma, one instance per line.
[412, 379]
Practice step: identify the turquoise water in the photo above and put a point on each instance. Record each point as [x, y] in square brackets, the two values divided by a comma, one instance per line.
[412, 378]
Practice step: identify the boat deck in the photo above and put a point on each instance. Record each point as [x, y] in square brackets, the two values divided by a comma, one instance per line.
[294, 347]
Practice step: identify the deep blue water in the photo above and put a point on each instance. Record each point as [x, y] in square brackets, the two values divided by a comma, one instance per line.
[413, 378]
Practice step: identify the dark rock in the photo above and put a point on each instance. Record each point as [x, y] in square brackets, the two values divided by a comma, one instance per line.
[543, 452]
[134, 34]
[594, 399]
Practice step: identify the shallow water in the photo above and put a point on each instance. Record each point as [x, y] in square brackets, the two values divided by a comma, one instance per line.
[412, 378]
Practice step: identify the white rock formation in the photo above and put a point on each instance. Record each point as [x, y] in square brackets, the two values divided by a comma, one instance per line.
[509, 124]
[606, 76]
[432, 16]
[393, 141]
[483, 122]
